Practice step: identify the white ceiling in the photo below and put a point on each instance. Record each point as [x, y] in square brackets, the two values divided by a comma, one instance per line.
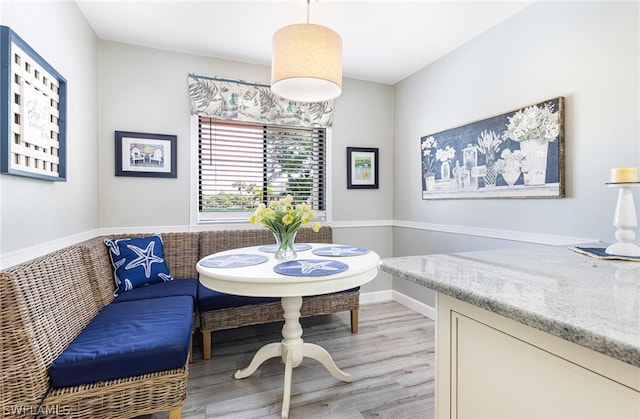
[383, 41]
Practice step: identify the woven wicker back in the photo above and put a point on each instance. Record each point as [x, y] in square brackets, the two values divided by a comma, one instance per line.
[306, 235]
[221, 240]
[44, 305]
[180, 252]
[96, 258]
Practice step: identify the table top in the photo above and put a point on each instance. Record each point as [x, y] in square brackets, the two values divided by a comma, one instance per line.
[590, 302]
[260, 279]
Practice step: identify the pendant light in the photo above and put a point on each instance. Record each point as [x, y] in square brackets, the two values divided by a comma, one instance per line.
[306, 64]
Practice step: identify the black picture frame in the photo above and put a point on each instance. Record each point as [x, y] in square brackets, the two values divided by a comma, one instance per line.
[362, 168]
[146, 155]
[33, 112]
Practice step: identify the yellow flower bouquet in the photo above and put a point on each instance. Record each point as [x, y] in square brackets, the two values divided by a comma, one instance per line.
[284, 219]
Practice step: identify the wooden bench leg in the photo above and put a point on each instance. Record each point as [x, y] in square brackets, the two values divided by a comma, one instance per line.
[206, 345]
[354, 321]
[175, 413]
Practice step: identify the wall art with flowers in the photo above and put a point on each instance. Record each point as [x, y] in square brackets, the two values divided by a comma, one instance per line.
[519, 154]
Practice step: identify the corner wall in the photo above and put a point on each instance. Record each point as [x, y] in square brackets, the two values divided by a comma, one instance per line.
[587, 52]
[146, 90]
[38, 216]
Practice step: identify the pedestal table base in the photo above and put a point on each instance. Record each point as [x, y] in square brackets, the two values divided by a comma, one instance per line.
[292, 350]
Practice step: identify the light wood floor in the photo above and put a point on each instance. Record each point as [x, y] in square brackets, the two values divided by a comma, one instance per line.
[390, 359]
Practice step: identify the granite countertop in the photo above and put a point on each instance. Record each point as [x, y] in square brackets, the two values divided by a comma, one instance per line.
[591, 302]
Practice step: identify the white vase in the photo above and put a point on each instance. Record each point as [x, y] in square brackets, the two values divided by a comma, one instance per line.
[445, 170]
[511, 176]
[490, 173]
[536, 153]
[430, 183]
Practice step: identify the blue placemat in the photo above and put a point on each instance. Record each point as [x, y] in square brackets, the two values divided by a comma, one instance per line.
[271, 248]
[600, 253]
[340, 251]
[310, 267]
[233, 261]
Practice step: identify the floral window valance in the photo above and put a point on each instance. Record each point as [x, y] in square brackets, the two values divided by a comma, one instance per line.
[243, 101]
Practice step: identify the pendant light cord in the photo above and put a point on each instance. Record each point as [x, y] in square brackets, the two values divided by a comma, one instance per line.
[308, 1]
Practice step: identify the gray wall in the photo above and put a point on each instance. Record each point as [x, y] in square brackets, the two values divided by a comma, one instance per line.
[42, 214]
[587, 52]
[145, 90]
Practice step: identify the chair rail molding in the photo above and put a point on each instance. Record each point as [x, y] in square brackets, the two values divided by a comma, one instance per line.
[492, 233]
[362, 223]
[16, 257]
[19, 256]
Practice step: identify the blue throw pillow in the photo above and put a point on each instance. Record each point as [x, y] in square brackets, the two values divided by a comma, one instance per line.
[137, 262]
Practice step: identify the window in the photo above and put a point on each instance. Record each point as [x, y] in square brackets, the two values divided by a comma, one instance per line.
[242, 164]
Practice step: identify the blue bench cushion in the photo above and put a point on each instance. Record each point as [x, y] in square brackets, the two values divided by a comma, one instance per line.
[178, 287]
[127, 339]
[209, 299]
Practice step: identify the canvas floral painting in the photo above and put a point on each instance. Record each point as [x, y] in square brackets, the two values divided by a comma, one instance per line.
[519, 154]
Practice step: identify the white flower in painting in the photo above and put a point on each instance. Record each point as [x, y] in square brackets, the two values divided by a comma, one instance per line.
[534, 123]
[445, 154]
[489, 142]
[512, 161]
[429, 144]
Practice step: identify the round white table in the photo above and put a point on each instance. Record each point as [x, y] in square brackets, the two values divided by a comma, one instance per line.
[260, 280]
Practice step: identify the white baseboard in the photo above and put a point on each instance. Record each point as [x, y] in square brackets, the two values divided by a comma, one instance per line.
[391, 295]
[376, 297]
[415, 305]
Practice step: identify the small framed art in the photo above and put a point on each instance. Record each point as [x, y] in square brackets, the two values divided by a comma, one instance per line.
[362, 168]
[146, 155]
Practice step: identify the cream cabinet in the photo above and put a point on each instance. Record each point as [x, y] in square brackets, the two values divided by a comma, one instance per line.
[489, 366]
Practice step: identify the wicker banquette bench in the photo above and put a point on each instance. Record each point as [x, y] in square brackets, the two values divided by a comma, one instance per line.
[51, 308]
[69, 349]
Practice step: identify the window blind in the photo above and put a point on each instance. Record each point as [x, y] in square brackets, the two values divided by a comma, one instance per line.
[242, 164]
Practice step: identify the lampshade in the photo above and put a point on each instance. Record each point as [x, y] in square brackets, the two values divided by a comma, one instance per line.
[306, 64]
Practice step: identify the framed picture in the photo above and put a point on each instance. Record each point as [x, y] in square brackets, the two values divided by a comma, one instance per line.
[146, 155]
[33, 112]
[519, 154]
[362, 168]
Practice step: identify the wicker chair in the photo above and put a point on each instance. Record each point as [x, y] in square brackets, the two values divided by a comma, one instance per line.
[229, 318]
[44, 305]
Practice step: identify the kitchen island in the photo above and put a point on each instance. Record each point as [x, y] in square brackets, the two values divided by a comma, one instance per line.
[532, 332]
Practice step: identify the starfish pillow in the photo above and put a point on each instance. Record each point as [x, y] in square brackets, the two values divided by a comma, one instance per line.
[137, 262]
